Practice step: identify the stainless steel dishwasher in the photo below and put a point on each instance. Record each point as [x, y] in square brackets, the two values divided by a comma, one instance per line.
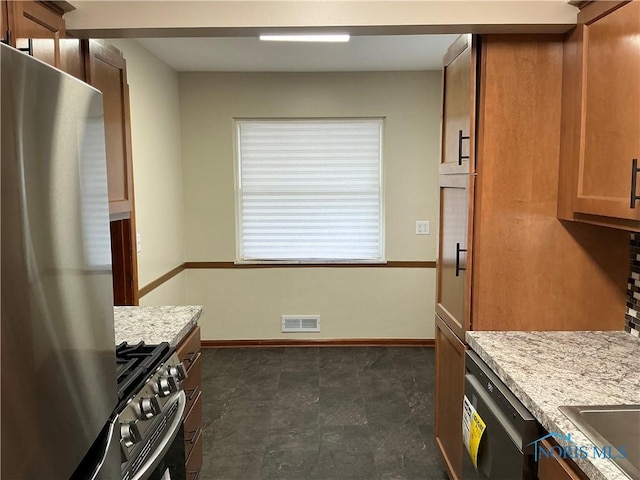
[497, 427]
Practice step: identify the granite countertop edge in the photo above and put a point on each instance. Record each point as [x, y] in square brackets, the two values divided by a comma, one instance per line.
[154, 325]
[546, 412]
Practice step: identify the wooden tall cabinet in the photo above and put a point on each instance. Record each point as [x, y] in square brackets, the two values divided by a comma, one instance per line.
[106, 69]
[505, 261]
[601, 117]
[449, 394]
[454, 266]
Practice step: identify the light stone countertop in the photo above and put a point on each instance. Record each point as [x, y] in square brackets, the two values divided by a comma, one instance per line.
[545, 370]
[154, 325]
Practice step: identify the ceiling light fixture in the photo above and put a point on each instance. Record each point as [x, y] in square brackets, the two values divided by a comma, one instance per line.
[306, 38]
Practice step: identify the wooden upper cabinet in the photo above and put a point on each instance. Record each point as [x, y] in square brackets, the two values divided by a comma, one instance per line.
[106, 70]
[600, 181]
[453, 279]
[38, 23]
[4, 18]
[458, 81]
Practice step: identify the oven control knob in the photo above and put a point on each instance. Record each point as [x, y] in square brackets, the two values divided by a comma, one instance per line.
[149, 406]
[129, 434]
[166, 386]
[178, 371]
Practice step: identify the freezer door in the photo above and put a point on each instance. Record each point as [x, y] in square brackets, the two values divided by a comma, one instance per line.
[57, 334]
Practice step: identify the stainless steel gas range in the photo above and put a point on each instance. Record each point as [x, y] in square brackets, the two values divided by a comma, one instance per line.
[150, 412]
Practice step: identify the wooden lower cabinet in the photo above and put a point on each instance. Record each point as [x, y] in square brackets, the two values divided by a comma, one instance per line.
[189, 354]
[557, 468]
[192, 426]
[194, 462]
[449, 394]
[192, 384]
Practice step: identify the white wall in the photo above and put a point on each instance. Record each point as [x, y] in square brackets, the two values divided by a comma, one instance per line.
[157, 170]
[353, 302]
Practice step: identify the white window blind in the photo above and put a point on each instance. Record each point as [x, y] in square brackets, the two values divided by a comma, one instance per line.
[310, 190]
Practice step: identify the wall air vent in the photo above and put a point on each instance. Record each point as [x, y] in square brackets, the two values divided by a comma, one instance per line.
[300, 323]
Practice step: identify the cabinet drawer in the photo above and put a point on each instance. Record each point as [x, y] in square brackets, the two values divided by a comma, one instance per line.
[194, 462]
[189, 348]
[193, 425]
[191, 385]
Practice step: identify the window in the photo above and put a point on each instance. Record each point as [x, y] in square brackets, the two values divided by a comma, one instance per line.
[309, 190]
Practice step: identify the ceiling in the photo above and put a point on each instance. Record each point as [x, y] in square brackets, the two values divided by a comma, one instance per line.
[249, 54]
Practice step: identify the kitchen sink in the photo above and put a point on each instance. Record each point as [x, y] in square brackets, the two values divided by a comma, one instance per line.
[611, 425]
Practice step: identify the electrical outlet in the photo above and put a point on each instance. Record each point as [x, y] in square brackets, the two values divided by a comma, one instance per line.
[138, 242]
[422, 227]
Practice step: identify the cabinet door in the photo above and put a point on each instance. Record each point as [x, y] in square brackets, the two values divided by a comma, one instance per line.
[72, 56]
[106, 70]
[449, 395]
[35, 22]
[458, 107]
[552, 468]
[4, 19]
[454, 252]
[607, 182]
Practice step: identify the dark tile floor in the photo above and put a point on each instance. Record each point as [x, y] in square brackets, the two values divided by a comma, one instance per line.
[319, 413]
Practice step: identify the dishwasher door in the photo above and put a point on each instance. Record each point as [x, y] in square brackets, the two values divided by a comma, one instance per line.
[502, 452]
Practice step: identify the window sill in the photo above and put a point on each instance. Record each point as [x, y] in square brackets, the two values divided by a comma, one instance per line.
[309, 263]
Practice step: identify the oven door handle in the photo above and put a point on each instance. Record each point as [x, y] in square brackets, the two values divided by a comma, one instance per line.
[154, 459]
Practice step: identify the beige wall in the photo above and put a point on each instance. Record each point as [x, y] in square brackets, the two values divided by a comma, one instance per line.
[352, 303]
[358, 302]
[157, 169]
[173, 292]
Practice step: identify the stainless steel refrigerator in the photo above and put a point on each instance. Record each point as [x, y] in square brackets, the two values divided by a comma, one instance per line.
[58, 348]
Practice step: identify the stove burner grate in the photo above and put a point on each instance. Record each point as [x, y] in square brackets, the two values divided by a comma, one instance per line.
[136, 363]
